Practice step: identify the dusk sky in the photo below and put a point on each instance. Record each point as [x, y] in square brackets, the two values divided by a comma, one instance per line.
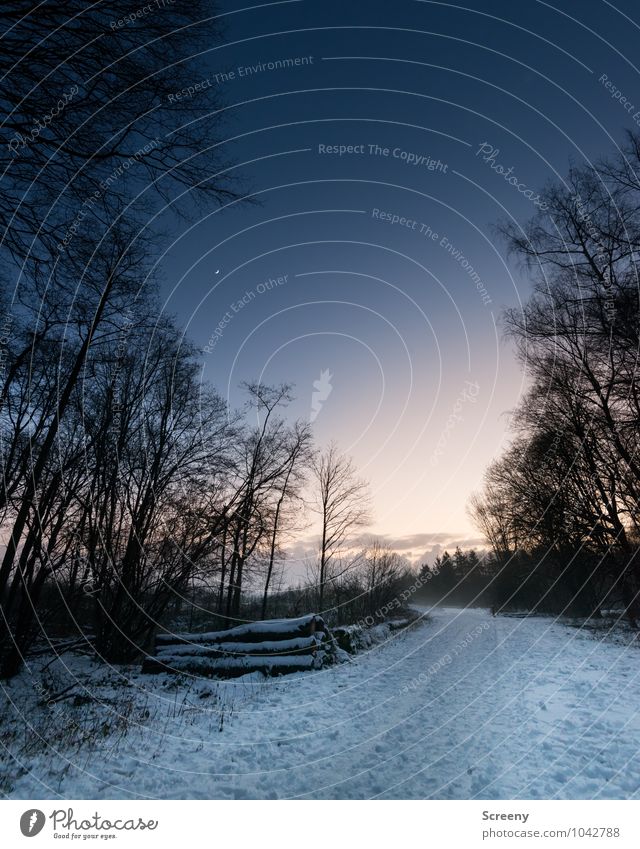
[369, 271]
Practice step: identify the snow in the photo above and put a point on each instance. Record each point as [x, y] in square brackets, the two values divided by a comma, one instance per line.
[276, 646]
[269, 626]
[465, 705]
[356, 638]
[191, 663]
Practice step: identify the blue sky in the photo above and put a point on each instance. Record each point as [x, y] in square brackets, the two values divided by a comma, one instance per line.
[375, 145]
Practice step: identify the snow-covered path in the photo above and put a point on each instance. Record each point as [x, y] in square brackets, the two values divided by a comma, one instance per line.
[465, 705]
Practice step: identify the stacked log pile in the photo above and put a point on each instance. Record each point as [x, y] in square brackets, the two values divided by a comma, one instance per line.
[273, 647]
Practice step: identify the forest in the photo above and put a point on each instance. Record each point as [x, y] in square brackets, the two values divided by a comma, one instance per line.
[560, 507]
[128, 485]
[133, 497]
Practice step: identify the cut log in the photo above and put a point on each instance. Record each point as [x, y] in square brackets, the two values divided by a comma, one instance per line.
[273, 647]
[230, 667]
[298, 646]
[252, 632]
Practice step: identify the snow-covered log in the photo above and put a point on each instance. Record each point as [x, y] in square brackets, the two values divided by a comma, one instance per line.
[231, 667]
[297, 646]
[253, 632]
[355, 638]
[274, 647]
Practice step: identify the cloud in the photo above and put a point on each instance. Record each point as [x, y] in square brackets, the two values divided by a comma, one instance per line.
[402, 543]
[418, 548]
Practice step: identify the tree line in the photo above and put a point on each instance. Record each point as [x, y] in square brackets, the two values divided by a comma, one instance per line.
[128, 481]
[560, 508]
[128, 485]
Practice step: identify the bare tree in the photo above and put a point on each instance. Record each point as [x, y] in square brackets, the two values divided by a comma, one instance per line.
[108, 280]
[92, 106]
[298, 446]
[265, 466]
[381, 572]
[569, 488]
[342, 503]
[95, 139]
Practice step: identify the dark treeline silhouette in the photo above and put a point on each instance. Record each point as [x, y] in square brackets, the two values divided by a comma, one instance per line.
[366, 588]
[560, 508]
[130, 492]
[90, 118]
[460, 579]
[112, 452]
[130, 489]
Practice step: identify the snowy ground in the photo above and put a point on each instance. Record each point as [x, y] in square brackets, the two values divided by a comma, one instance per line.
[464, 705]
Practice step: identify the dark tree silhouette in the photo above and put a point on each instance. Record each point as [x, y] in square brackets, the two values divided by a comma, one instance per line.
[565, 498]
